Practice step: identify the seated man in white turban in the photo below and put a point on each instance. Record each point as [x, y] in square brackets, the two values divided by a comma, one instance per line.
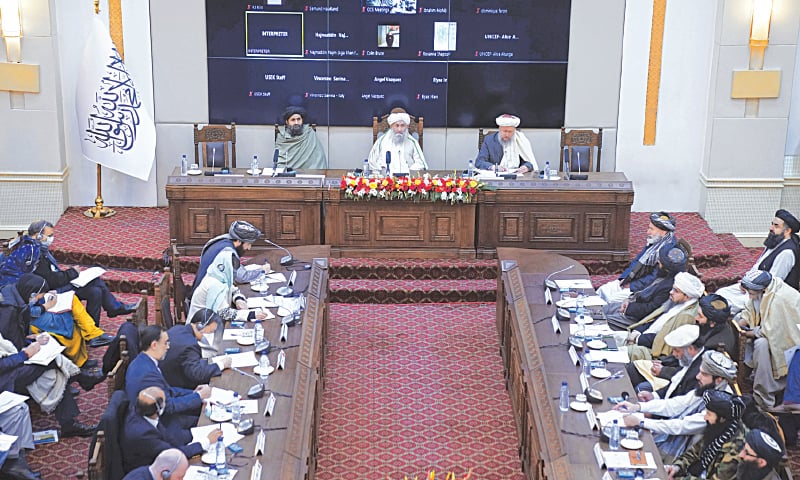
[297, 143]
[397, 150]
[508, 149]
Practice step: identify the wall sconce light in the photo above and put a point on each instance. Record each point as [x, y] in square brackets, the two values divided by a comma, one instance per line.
[759, 28]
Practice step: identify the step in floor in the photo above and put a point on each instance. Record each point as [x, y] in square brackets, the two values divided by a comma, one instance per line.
[412, 291]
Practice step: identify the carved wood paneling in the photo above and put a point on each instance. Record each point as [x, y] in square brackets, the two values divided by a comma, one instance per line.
[512, 227]
[598, 227]
[399, 226]
[554, 227]
[289, 225]
[443, 227]
[202, 222]
[356, 226]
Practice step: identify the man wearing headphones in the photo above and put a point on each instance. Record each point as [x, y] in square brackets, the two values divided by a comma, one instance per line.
[240, 237]
[32, 254]
[184, 365]
[144, 436]
[169, 465]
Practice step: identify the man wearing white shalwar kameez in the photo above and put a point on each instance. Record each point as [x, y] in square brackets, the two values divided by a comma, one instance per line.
[404, 150]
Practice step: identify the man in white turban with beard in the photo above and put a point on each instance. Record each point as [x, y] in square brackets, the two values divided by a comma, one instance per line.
[508, 149]
[402, 150]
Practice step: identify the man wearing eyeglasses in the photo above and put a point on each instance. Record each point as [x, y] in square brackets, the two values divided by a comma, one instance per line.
[184, 365]
[761, 454]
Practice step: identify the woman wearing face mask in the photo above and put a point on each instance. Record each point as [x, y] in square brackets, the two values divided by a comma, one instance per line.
[31, 254]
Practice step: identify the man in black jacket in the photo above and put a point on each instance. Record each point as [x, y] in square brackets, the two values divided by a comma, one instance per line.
[184, 365]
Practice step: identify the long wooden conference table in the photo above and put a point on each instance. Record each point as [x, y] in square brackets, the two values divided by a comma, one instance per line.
[552, 444]
[580, 218]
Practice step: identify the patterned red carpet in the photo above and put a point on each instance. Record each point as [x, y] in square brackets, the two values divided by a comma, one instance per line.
[414, 388]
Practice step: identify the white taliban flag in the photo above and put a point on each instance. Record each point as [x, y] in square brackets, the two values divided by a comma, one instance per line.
[115, 128]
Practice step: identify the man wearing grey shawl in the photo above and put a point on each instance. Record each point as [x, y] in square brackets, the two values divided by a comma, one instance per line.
[297, 143]
[642, 270]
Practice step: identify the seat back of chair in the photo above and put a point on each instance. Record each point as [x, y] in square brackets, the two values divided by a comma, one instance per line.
[415, 128]
[482, 134]
[163, 291]
[584, 143]
[105, 454]
[180, 293]
[215, 145]
[166, 314]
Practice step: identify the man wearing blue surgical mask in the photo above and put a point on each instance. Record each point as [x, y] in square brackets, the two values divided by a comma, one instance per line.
[144, 437]
[31, 254]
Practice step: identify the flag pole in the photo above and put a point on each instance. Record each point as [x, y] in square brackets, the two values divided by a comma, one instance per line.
[99, 210]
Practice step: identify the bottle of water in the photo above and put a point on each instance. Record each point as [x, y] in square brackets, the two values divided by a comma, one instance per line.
[236, 409]
[254, 166]
[184, 165]
[365, 169]
[563, 397]
[222, 467]
[613, 438]
[258, 332]
[546, 175]
[263, 365]
[587, 368]
[470, 169]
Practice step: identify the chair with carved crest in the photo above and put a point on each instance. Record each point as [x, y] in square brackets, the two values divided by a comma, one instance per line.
[580, 146]
[415, 128]
[216, 144]
[482, 134]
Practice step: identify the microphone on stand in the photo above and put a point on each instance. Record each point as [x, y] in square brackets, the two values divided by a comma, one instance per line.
[550, 284]
[286, 260]
[257, 390]
[388, 162]
[275, 163]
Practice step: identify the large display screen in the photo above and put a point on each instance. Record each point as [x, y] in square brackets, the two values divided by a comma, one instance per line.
[457, 64]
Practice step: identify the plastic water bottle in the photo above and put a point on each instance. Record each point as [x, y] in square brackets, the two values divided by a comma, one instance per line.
[613, 438]
[236, 409]
[184, 165]
[365, 169]
[263, 365]
[470, 168]
[222, 467]
[258, 332]
[563, 397]
[546, 174]
[254, 166]
[586, 364]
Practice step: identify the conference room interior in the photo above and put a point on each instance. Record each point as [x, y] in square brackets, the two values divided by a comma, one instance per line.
[715, 137]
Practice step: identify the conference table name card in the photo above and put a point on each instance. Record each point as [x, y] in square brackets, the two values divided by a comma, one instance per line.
[261, 441]
[281, 364]
[270, 407]
[284, 332]
[557, 327]
[255, 472]
[584, 382]
[592, 419]
[573, 356]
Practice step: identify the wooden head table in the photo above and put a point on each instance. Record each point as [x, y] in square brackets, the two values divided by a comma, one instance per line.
[584, 219]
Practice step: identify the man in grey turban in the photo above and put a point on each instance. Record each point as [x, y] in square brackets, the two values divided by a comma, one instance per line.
[508, 149]
[681, 417]
[396, 150]
[769, 321]
[297, 143]
[779, 258]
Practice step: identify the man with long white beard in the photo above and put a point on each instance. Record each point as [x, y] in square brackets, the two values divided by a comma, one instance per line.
[297, 143]
[779, 258]
[507, 150]
[397, 150]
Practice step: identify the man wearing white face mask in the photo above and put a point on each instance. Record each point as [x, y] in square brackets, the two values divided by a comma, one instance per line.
[31, 254]
[144, 436]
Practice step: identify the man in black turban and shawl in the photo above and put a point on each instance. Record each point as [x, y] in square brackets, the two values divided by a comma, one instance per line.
[297, 143]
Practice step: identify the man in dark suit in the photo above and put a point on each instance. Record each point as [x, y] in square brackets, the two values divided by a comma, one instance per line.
[184, 365]
[144, 437]
[182, 406]
[687, 353]
[170, 464]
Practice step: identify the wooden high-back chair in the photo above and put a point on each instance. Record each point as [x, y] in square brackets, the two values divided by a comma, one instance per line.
[216, 145]
[482, 134]
[581, 144]
[415, 128]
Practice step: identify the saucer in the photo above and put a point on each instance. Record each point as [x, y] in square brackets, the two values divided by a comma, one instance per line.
[259, 287]
[257, 370]
[583, 319]
[246, 340]
[579, 406]
[220, 415]
[283, 311]
[631, 443]
[209, 458]
[596, 344]
[254, 172]
[194, 172]
[600, 373]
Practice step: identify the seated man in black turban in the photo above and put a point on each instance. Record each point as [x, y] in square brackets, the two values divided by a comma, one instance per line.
[297, 143]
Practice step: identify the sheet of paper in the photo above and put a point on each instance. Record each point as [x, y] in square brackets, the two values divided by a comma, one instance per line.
[207, 348]
[9, 400]
[63, 302]
[241, 360]
[276, 277]
[47, 353]
[221, 395]
[608, 417]
[249, 407]
[260, 302]
[622, 460]
[236, 333]
[241, 315]
[591, 301]
[229, 433]
[577, 283]
[196, 472]
[87, 276]
[611, 356]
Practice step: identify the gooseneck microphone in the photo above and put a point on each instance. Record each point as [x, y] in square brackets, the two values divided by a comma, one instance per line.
[257, 390]
[275, 163]
[388, 162]
[550, 283]
[286, 260]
